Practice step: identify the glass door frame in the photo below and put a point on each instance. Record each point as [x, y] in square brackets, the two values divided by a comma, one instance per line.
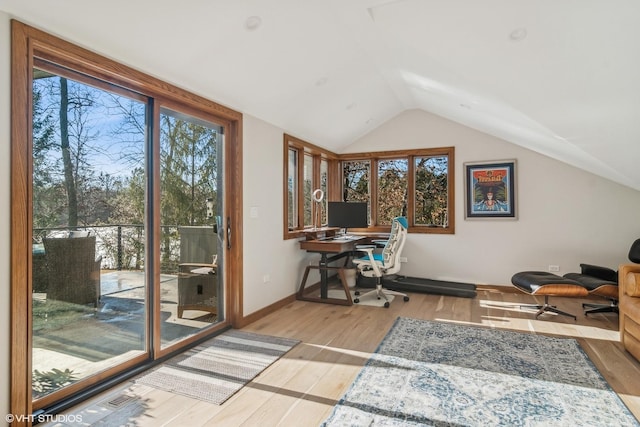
[28, 44]
[226, 126]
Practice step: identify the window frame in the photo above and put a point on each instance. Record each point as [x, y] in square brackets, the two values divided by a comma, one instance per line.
[410, 155]
[319, 155]
[335, 184]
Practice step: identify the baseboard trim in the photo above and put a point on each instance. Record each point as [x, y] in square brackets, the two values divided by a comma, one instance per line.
[257, 315]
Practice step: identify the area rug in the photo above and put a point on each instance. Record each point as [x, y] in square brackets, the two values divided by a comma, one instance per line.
[218, 368]
[442, 374]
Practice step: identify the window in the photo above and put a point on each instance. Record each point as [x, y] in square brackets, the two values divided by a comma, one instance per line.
[308, 187]
[431, 179]
[324, 186]
[292, 189]
[308, 168]
[356, 176]
[393, 185]
[417, 184]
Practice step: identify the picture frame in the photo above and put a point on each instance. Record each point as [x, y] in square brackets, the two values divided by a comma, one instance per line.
[490, 189]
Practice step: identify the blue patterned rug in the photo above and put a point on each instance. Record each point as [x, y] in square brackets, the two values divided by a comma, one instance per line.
[442, 374]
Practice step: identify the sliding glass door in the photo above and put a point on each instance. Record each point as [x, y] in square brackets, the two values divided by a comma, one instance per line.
[104, 292]
[121, 218]
[191, 212]
[89, 266]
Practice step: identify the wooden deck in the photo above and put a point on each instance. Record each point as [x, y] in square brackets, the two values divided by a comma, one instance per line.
[89, 342]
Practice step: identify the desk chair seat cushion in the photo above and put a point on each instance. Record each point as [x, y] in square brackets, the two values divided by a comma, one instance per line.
[376, 257]
[543, 283]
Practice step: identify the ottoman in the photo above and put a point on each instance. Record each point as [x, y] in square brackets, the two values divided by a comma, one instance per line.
[548, 284]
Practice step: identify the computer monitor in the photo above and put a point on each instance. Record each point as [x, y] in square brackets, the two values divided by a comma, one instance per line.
[347, 215]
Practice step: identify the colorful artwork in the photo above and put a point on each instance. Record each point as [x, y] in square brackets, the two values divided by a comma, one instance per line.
[490, 191]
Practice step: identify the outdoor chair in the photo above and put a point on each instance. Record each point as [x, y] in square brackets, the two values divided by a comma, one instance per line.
[197, 271]
[73, 271]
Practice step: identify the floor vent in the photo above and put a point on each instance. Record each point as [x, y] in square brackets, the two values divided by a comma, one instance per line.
[120, 401]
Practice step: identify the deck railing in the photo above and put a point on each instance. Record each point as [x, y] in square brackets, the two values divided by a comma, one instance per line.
[122, 245]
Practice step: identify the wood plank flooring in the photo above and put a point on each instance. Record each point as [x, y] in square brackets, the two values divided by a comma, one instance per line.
[302, 387]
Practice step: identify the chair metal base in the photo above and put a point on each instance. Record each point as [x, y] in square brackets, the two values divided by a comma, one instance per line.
[381, 293]
[548, 307]
[601, 308]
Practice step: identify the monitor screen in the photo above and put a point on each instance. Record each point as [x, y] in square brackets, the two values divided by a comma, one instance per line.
[347, 214]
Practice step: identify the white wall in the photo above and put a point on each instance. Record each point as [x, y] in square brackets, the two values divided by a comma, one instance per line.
[5, 294]
[565, 215]
[265, 251]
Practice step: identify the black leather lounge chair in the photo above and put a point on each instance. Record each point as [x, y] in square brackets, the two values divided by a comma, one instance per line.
[603, 282]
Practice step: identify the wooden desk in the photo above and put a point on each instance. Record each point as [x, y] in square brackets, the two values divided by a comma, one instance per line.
[340, 248]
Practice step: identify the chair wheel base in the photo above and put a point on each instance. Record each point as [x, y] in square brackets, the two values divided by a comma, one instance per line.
[406, 299]
[386, 304]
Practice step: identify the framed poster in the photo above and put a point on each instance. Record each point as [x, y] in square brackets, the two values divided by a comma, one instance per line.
[490, 189]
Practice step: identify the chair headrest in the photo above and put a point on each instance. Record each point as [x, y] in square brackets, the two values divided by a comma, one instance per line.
[403, 221]
[634, 252]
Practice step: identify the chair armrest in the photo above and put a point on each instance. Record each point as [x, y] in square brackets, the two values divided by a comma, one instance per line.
[196, 264]
[188, 266]
[603, 273]
[372, 261]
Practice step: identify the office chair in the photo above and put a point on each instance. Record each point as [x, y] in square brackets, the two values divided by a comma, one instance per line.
[385, 263]
[603, 281]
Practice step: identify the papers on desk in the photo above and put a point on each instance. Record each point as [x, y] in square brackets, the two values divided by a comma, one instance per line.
[346, 238]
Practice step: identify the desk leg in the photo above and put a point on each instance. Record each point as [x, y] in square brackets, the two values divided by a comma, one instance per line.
[340, 271]
[324, 285]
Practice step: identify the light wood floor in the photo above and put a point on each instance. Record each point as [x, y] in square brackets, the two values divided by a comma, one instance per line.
[301, 388]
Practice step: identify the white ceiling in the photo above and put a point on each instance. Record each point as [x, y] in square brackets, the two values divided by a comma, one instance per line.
[330, 71]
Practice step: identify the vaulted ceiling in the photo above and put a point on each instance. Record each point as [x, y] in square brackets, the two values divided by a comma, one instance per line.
[560, 77]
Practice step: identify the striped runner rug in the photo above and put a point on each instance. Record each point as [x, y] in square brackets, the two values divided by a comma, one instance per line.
[216, 369]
